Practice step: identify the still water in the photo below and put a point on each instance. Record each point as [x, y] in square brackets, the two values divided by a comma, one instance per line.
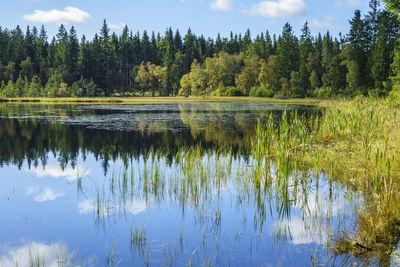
[165, 184]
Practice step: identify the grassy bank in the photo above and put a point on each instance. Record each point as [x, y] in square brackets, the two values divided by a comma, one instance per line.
[357, 144]
[156, 100]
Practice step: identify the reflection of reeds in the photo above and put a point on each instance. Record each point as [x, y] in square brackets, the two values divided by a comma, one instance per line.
[112, 259]
[138, 239]
[355, 143]
[41, 255]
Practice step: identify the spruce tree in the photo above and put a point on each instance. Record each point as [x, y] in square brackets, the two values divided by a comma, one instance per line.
[288, 52]
[305, 50]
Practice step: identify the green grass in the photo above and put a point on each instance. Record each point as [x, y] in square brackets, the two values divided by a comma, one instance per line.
[357, 144]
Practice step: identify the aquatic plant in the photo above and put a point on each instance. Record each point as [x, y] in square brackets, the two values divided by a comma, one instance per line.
[355, 143]
[139, 239]
[112, 259]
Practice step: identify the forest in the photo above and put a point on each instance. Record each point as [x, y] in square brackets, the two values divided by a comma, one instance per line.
[364, 61]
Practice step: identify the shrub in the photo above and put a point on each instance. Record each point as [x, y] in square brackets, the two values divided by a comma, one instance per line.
[233, 91]
[258, 91]
[323, 92]
[393, 98]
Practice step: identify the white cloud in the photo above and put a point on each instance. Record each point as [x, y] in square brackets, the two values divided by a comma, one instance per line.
[48, 254]
[56, 171]
[47, 194]
[118, 26]
[66, 16]
[222, 5]
[279, 8]
[324, 24]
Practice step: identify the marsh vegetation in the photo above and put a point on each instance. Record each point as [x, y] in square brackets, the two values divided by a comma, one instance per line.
[355, 143]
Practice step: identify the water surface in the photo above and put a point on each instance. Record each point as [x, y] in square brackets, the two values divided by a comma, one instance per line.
[164, 184]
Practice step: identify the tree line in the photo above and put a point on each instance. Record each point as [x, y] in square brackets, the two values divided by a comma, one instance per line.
[29, 140]
[366, 60]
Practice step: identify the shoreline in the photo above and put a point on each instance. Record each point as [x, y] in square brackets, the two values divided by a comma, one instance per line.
[162, 100]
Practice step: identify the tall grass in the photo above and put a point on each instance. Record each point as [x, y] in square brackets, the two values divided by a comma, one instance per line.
[357, 144]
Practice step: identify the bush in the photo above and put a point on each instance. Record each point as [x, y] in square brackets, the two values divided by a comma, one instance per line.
[258, 91]
[183, 92]
[323, 92]
[216, 93]
[393, 98]
[233, 91]
[227, 91]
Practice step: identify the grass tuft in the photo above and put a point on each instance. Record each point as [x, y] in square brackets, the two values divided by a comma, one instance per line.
[357, 144]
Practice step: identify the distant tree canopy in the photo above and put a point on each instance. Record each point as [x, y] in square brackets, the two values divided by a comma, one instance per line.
[364, 61]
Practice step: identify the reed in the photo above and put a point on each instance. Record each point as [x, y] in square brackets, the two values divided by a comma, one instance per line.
[139, 239]
[38, 257]
[112, 259]
[355, 143]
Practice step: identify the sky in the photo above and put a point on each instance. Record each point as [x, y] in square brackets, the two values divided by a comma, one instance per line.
[207, 17]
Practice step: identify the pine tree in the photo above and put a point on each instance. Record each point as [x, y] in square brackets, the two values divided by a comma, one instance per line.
[146, 47]
[395, 67]
[29, 43]
[305, 50]
[73, 54]
[16, 50]
[288, 52]
[358, 39]
[189, 49]
[380, 57]
[61, 50]
[394, 7]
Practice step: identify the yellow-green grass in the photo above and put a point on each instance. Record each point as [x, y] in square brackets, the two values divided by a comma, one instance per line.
[157, 100]
[357, 143]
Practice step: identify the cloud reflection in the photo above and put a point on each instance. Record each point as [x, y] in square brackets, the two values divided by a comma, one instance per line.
[46, 194]
[318, 214]
[56, 171]
[106, 209]
[52, 255]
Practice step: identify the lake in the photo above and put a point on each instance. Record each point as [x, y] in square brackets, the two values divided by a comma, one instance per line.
[162, 184]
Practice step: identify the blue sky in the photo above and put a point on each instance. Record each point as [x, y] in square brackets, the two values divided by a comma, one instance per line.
[208, 17]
